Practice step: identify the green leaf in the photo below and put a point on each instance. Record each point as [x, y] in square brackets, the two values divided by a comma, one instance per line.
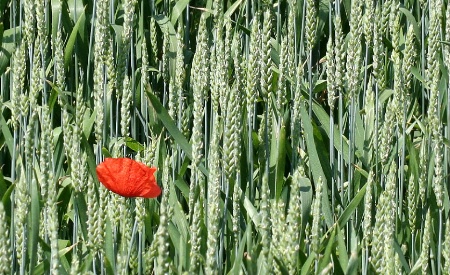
[236, 269]
[183, 252]
[88, 123]
[41, 267]
[63, 249]
[133, 144]
[68, 51]
[118, 31]
[348, 212]
[384, 96]
[167, 26]
[281, 266]
[417, 268]
[278, 158]
[320, 86]
[173, 130]
[323, 8]
[369, 129]
[306, 197]
[175, 236]
[91, 160]
[177, 10]
[106, 153]
[401, 257]
[179, 216]
[108, 266]
[9, 40]
[86, 264]
[359, 137]
[411, 20]
[232, 9]
[316, 165]
[3, 186]
[417, 74]
[281, 163]
[251, 211]
[81, 209]
[6, 198]
[182, 230]
[353, 264]
[52, 100]
[306, 268]
[326, 259]
[109, 245]
[183, 168]
[342, 250]
[324, 119]
[33, 223]
[184, 188]
[75, 8]
[58, 152]
[6, 133]
[54, 88]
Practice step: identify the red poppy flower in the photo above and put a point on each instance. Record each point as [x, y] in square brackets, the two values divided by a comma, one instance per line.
[128, 178]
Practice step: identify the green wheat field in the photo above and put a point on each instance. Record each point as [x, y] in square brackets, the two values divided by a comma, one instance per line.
[290, 136]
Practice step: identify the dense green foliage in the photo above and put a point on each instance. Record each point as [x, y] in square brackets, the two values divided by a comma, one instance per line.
[290, 136]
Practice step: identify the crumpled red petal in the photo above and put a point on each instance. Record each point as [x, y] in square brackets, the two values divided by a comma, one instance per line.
[128, 178]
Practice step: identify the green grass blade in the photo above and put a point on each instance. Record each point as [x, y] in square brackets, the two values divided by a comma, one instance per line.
[326, 258]
[232, 9]
[252, 212]
[6, 133]
[184, 188]
[6, 198]
[353, 264]
[348, 212]
[173, 130]
[33, 236]
[411, 20]
[306, 197]
[177, 10]
[281, 161]
[109, 246]
[9, 40]
[324, 119]
[236, 269]
[401, 257]
[306, 268]
[72, 40]
[316, 165]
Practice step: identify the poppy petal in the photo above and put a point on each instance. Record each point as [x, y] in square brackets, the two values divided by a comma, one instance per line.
[128, 178]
